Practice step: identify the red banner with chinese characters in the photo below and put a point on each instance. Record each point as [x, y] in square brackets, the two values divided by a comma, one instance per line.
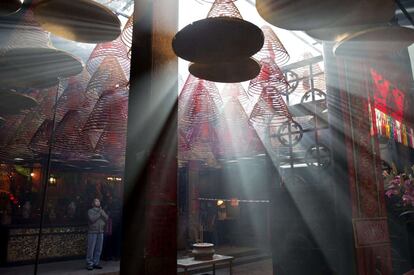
[388, 98]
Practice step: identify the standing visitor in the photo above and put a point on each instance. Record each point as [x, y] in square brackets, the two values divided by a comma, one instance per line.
[97, 219]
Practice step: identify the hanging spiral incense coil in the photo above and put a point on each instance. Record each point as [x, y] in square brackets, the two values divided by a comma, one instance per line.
[272, 48]
[69, 140]
[270, 109]
[40, 140]
[73, 96]
[109, 75]
[112, 146]
[234, 129]
[126, 35]
[18, 144]
[270, 75]
[199, 102]
[236, 91]
[115, 49]
[110, 112]
[224, 8]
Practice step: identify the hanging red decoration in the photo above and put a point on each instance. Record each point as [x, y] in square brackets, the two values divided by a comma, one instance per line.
[270, 75]
[198, 102]
[272, 48]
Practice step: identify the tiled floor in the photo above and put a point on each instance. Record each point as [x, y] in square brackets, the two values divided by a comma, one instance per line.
[77, 268]
[63, 268]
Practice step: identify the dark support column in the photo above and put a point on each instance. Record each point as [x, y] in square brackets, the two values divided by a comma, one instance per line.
[362, 165]
[339, 168]
[150, 210]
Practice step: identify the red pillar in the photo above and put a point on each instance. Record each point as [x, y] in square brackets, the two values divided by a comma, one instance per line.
[369, 217]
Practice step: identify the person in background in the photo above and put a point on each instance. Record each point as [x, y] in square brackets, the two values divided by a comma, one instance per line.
[97, 219]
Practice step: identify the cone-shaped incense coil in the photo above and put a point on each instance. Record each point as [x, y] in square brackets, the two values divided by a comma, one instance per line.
[114, 49]
[18, 145]
[224, 8]
[232, 91]
[112, 146]
[272, 48]
[69, 138]
[236, 136]
[73, 95]
[40, 140]
[198, 102]
[108, 76]
[110, 112]
[27, 33]
[270, 109]
[270, 75]
[126, 35]
[203, 142]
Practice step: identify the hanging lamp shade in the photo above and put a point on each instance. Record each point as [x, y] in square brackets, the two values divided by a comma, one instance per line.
[27, 60]
[375, 42]
[270, 75]
[365, 13]
[36, 67]
[12, 102]
[221, 37]
[9, 6]
[78, 20]
[270, 109]
[227, 72]
[304, 14]
[198, 102]
[272, 48]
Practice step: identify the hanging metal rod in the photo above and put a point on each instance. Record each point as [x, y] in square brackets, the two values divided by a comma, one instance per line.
[404, 11]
